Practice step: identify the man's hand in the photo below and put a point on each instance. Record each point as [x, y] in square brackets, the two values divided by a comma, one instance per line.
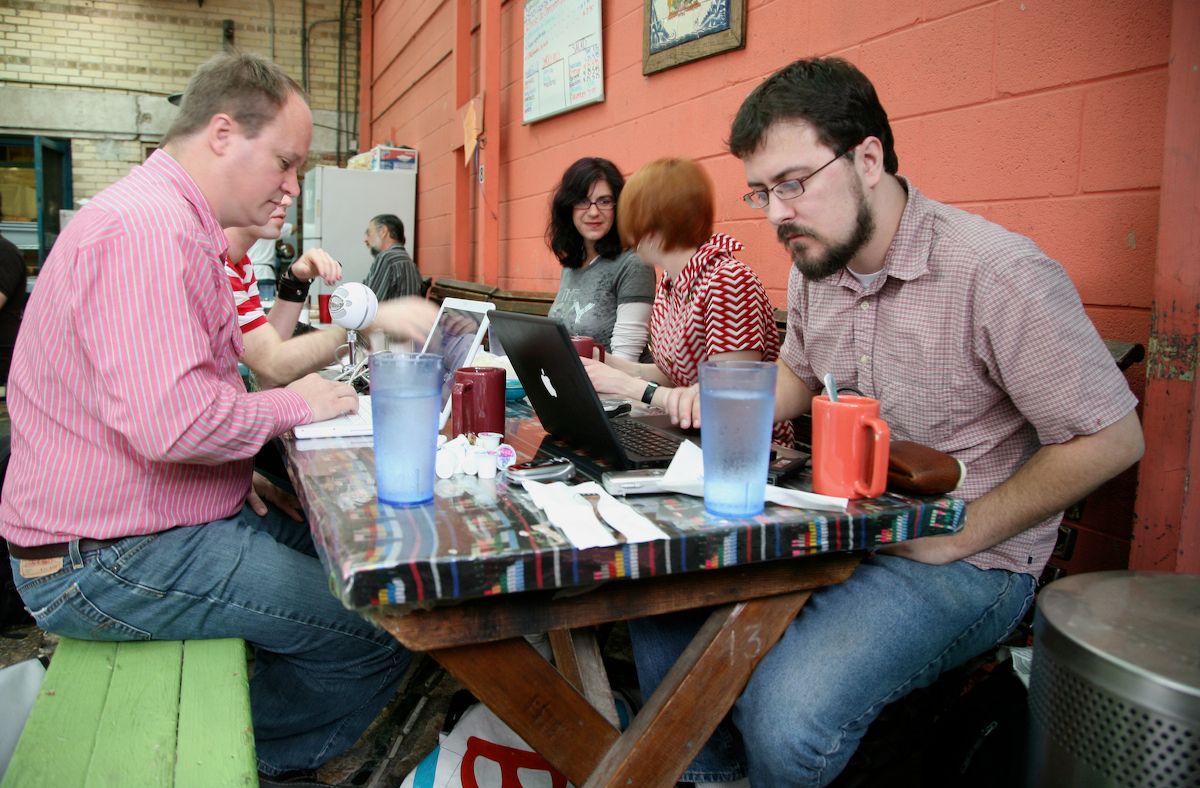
[317, 263]
[933, 549]
[263, 491]
[405, 318]
[683, 406]
[326, 398]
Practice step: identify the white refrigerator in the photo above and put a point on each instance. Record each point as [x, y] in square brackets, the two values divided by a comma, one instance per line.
[338, 203]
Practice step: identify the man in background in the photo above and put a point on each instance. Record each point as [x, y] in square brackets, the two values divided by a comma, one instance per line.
[393, 274]
[274, 355]
[133, 435]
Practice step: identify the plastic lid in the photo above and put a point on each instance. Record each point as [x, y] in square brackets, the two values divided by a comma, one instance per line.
[1148, 621]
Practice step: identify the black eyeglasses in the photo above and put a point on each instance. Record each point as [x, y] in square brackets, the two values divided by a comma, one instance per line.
[603, 203]
[785, 190]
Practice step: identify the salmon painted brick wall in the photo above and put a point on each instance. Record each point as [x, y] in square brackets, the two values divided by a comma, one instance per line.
[1046, 116]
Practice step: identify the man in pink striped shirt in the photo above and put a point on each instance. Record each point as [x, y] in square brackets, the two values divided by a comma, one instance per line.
[133, 437]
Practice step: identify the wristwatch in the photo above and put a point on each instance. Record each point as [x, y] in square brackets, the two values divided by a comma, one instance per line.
[648, 394]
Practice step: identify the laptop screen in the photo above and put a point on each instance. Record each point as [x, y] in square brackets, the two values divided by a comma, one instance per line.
[456, 336]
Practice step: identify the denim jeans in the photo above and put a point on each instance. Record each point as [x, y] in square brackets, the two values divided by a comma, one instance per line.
[892, 627]
[321, 672]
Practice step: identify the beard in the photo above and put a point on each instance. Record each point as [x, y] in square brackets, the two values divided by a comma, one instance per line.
[837, 256]
[374, 252]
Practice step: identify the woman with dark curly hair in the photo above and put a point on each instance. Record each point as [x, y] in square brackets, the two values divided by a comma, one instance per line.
[605, 291]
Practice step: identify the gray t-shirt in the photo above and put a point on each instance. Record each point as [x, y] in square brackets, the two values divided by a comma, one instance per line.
[588, 297]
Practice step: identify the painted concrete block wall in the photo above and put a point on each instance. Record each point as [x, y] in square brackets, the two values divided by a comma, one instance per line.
[1043, 115]
[98, 72]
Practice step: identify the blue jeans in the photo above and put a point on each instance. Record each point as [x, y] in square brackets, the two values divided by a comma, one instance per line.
[892, 627]
[321, 672]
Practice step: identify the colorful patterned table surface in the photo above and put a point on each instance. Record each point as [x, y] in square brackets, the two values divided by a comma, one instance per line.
[481, 537]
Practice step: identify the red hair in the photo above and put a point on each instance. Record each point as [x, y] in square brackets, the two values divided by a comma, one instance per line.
[672, 197]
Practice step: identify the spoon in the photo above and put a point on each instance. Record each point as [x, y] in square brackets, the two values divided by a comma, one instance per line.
[831, 387]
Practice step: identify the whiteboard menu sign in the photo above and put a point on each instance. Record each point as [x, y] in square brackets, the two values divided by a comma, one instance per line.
[564, 67]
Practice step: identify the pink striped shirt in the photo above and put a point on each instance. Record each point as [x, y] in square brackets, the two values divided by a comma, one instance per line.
[128, 413]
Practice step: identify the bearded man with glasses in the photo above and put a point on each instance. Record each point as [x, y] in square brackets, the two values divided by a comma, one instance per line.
[976, 343]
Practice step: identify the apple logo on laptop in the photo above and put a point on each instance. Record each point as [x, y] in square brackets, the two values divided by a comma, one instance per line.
[546, 383]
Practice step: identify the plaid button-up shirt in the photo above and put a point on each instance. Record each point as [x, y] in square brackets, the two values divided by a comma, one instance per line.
[974, 341]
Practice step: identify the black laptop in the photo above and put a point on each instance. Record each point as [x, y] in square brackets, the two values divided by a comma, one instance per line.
[558, 387]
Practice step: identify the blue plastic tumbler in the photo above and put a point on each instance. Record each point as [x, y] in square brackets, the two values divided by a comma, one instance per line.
[737, 404]
[406, 402]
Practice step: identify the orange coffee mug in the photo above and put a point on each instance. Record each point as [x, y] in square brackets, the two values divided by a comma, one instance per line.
[849, 447]
[584, 346]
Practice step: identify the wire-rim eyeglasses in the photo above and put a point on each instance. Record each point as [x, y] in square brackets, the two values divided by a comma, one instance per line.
[785, 190]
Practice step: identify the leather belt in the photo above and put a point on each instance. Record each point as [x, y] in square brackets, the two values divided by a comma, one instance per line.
[57, 550]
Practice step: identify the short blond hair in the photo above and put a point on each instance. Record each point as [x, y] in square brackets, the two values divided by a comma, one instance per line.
[249, 88]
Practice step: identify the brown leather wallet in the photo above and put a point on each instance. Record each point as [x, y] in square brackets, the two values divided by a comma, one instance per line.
[913, 468]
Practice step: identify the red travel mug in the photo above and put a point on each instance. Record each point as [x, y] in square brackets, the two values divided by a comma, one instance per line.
[477, 400]
[585, 345]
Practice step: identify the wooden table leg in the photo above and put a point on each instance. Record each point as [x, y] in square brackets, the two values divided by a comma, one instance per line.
[577, 657]
[513, 680]
[696, 693]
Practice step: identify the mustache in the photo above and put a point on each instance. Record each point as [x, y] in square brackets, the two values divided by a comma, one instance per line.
[784, 230]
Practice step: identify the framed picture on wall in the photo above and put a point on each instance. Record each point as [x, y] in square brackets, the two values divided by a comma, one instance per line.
[679, 31]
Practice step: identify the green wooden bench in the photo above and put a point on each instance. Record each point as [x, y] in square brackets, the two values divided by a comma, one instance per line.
[149, 713]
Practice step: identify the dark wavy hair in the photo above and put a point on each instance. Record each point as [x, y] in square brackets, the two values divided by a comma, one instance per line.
[561, 236]
[829, 94]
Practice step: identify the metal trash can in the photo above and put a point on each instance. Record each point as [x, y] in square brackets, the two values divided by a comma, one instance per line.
[1114, 696]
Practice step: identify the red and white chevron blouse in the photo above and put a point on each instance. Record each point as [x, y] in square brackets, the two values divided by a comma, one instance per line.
[717, 304]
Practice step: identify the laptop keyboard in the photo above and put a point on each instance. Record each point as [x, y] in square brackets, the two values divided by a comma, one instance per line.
[640, 438]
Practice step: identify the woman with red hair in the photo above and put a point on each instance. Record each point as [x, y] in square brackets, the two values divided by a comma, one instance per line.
[708, 306]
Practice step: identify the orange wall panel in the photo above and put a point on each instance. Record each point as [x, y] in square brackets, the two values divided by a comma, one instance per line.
[1043, 116]
[1123, 130]
[934, 9]
[909, 68]
[995, 150]
[1044, 43]
[831, 25]
[1106, 242]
